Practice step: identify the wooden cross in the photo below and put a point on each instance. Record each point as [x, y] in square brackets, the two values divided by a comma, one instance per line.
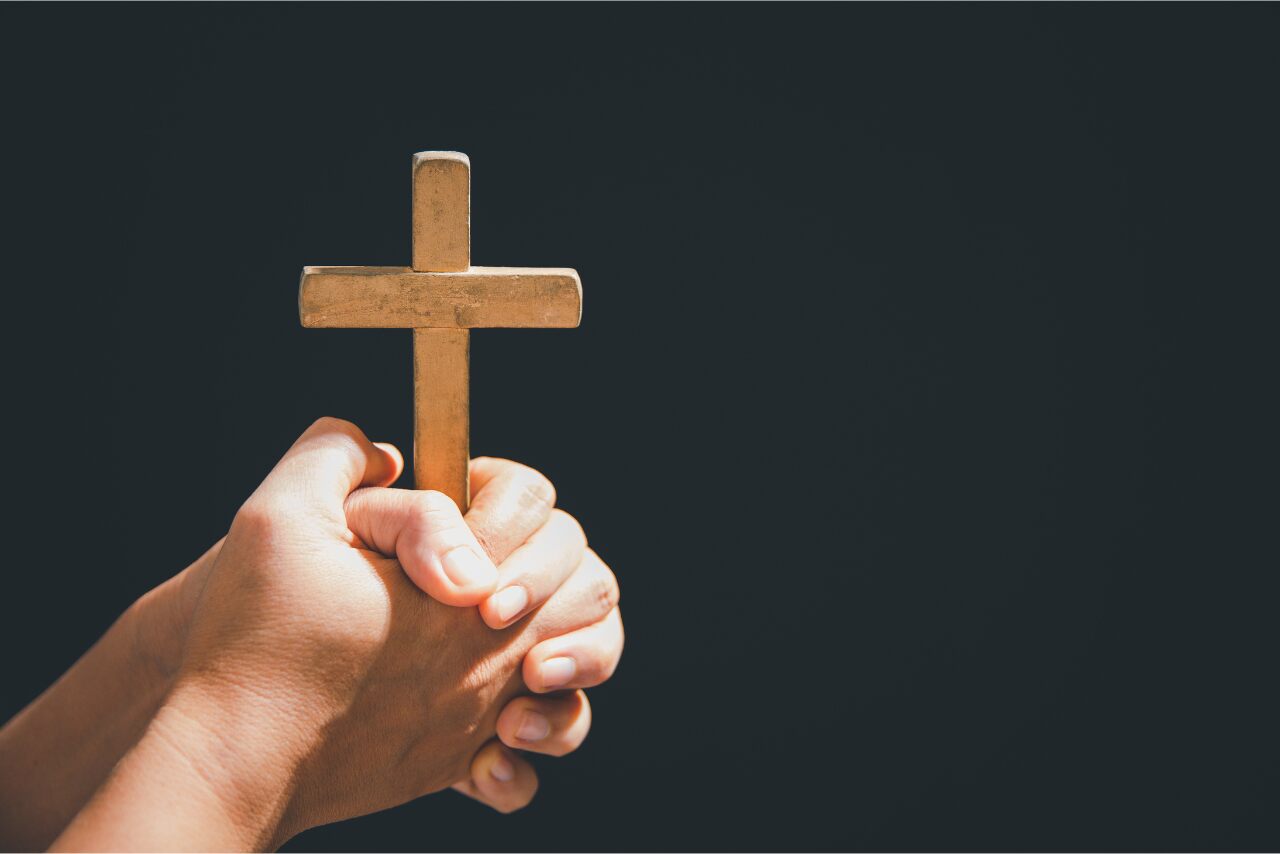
[441, 298]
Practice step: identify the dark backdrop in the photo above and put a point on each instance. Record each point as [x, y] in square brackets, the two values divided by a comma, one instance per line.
[920, 401]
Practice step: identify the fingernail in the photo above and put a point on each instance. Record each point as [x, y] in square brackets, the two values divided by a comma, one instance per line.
[465, 568]
[557, 671]
[510, 602]
[533, 727]
[502, 770]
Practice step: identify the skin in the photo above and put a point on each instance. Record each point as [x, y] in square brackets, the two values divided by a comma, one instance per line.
[296, 674]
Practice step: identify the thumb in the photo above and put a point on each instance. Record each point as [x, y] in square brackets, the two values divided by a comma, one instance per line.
[425, 531]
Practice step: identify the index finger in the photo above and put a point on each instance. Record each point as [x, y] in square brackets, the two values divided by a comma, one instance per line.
[509, 502]
[327, 462]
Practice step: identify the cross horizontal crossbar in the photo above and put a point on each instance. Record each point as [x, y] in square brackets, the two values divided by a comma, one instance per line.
[399, 297]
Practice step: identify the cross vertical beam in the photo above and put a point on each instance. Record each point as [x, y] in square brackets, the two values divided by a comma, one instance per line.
[441, 357]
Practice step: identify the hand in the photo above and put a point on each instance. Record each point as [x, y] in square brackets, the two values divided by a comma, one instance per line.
[508, 500]
[319, 684]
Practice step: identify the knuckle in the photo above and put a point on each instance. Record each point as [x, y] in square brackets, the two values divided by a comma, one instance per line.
[485, 540]
[605, 586]
[338, 443]
[261, 514]
[330, 424]
[481, 676]
[610, 667]
[432, 504]
[254, 514]
[536, 487]
[598, 657]
[571, 526]
[600, 663]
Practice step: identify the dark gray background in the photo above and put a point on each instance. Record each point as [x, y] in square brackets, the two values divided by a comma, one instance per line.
[921, 401]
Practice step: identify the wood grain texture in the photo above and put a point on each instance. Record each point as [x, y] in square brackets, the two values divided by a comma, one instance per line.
[441, 298]
[441, 357]
[441, 211]
[501, 297]
[442, 412]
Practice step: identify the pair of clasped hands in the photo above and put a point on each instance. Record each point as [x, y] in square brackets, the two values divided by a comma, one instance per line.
[347, 647]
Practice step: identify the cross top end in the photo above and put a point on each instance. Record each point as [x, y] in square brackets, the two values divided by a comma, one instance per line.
[457, 156]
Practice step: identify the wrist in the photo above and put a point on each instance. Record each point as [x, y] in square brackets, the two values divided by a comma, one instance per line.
[247, 752]
[211, 772]
[177, 788]
[157, 624]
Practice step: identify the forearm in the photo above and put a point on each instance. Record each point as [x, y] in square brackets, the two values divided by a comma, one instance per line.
[215, 770]
[60, 748]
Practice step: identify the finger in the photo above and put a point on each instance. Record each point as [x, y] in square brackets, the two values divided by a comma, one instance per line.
[584, 599]
[500, 779]
[328, 461]
[579, 659]
[485, 469]
[425, 531]
[397, 464]
[509, 502]
[554, 725]
[482, 470]
[535, 570]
